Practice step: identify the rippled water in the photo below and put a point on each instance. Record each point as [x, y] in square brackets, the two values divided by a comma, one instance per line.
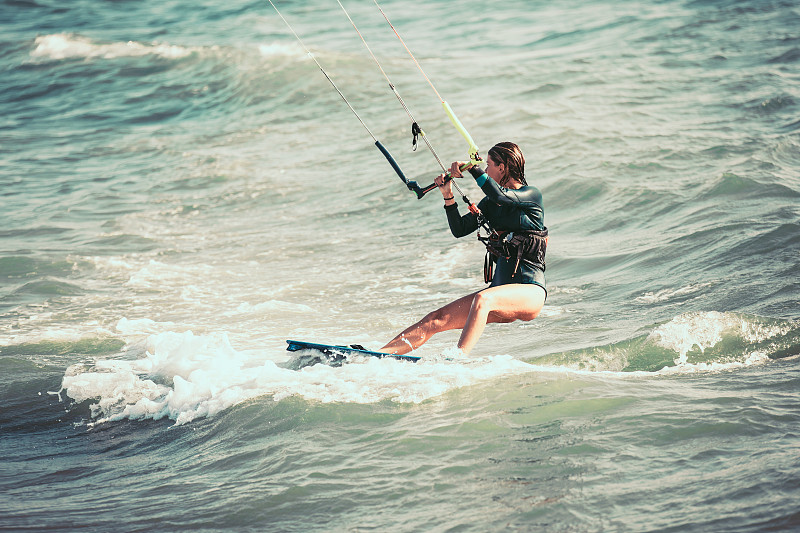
[182, 190]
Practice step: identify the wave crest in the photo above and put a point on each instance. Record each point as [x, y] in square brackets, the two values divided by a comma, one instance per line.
[691, 342]
[67, 46]
[185, 376]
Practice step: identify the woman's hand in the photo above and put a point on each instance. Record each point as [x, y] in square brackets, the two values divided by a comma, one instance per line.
[455, 168]
[444, 184]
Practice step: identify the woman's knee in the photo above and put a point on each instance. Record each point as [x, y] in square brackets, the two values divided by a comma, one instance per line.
[451, 316]
[436, 319]
[483, 300]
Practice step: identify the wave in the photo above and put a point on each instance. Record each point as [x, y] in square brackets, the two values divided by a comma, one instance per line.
[65, 45]
[672, 294]
[60, 46]
[691, 342]
[174, 82]
[730, 184]
[183, 376]
[104, 345]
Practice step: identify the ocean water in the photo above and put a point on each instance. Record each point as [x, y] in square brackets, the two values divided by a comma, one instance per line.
[182, 190]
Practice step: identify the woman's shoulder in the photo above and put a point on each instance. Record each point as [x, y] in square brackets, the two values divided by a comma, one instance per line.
[529, 193]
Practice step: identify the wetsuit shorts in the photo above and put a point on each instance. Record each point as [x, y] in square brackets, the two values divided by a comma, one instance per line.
[526, 273]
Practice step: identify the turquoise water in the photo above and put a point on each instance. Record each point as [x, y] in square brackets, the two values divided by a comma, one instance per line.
[183, 190]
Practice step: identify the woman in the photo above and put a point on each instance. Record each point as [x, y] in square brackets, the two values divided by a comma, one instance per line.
[514, 211]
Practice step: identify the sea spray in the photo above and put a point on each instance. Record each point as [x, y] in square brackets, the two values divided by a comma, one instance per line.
[183, 376]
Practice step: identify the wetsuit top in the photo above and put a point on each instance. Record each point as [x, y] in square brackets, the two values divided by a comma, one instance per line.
[506, 210]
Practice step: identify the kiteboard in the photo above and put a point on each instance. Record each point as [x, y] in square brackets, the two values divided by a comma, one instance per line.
[333, 355]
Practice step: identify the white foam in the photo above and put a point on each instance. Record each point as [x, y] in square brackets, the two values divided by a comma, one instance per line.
[685, 332]
[141, 326]
[156, 274]
[445, 265]
[556, 289]
[755, 358]
[550, 311]
[410, 289]
[281, 49]
[33, 332]
[64, 46]
[270, 306]
[185, 376]
[668, 294]
[703, 330]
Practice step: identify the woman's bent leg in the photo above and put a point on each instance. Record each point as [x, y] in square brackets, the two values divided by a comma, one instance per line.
[451, 316]
[471, 313]
[504, 303]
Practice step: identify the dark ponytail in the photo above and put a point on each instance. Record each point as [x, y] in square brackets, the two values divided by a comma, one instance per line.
[511, 156]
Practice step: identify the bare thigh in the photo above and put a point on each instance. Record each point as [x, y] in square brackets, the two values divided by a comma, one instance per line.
[515, 301]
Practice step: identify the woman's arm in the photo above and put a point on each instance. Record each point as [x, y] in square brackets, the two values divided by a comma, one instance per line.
[460, 226]
[525, 197]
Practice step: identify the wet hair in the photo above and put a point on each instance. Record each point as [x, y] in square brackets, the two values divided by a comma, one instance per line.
[511, 156]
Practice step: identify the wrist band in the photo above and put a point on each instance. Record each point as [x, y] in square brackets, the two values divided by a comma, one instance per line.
[446, 199]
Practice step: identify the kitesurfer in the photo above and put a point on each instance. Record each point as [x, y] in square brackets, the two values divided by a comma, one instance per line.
[513, 209]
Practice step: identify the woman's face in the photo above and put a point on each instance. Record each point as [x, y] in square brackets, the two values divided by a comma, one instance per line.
[495, 171]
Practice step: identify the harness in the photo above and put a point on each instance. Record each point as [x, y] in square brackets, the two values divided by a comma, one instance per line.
[529, 246]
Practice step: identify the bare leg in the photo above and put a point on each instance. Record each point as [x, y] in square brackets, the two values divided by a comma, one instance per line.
[451, 316]
[471, 313]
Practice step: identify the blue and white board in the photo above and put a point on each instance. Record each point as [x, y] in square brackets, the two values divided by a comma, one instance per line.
[337, 355]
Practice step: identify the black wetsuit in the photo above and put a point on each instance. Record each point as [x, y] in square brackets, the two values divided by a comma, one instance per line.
[507, 210]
